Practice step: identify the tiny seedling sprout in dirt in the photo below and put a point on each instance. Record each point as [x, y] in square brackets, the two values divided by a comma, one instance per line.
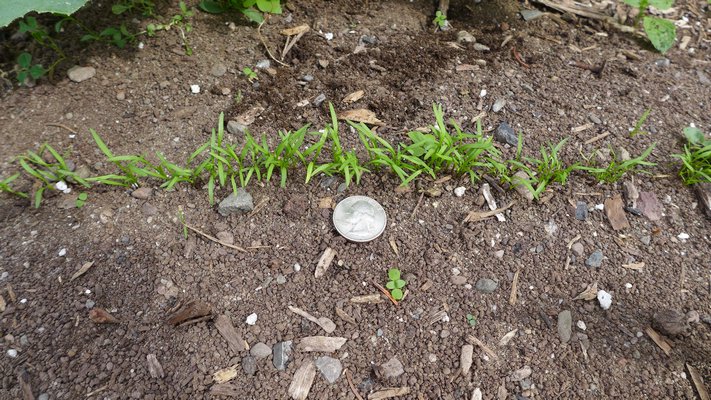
[395, 285]
[637, 130]
[696, 158]
[471, 320]
[660, 32]
[440, 20]
[617, 168]
[250, 74]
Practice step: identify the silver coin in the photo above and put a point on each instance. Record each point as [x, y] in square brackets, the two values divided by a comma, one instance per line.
[359, 218]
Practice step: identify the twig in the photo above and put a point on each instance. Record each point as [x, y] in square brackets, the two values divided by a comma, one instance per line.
[514, 288]
[517, 57]
[99, 390]
[264, 42]
[259, 206]
[475, 341]
[214, 239]
[414, 210]
[385, 292]
[698, 382]
[598, 137]
[63, 126]
[350, 383]
[475, 216]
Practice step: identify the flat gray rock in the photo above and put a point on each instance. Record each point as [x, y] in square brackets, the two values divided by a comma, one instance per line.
[236, 203]
[80, 74]
[565, 326]
[330, 368]
[260, 350]
[505, 134]
[486, 285]
[249, 365]
[595, 259]
[391, 369]
[281, 354]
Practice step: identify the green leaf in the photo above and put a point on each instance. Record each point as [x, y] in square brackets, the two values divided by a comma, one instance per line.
[253, 15]
[694, 135]
[400, 283]
[661, 32]
[394, 274]
[36, 71]
[661, 4]
[118, 9]
[390, 285]
[83, 196]
[21, 76]
[13, 9]
[633, 3]
[24, 60]
[396, 293]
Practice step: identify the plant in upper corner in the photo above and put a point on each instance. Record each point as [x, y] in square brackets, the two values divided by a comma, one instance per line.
[617, 167]
[660, 32]
[26, 70]
[696, 158]
[395, 285]
[40, 35]
[246, 7]
[440, 20]
[180, 21]
[250, 74]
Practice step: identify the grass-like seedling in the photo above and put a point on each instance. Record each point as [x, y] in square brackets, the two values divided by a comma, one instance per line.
[696, 158]
[395, 285]
[133, 167]
[543, 171]
[637, 130]
[5, 186]
[250, 74]
[286, 154]
[617, 168]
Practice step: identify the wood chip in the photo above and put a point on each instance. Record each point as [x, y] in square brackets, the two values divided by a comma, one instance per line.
[374, 298]
[388, 393]
[344, 316]
[81, 271]
[466, 67]
[589, 293]
[393, 246]
[486, 191]
[154, 367]
[476, 216]
[295, 30]
[228, 331]
[325, 323]
[3, 305]
[326, 203]
[660, 340]
[514, 288]
[360, 115]
[321, 344]
[507, 338]
[225, 374]
[635, 266]
[598, 137]
[473, 340]
[436, 316]
[101, 316]
[192, 310]
[427, 285]
[11, 293]
[302, 381]
[582, 127]
[353, 97]
[226, 389]
[24, 379]
[325, 262]
[616, 213]
[698, 382]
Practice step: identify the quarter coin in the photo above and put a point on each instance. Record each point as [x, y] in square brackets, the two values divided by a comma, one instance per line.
[359, 218]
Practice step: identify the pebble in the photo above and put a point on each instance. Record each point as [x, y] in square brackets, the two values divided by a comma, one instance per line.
[581, 211]
[529, 15]
[581, 325]
[459, 192]
[458, 280]
[499, 254]
[605, 299]
[662, 62]
[594, 119]
[465, 37]
[249, 365]
[391, 369]
[236, 203]
[260, 350]
[90, 304]
[12, 353]
[280, 279]
[307, 78]
[646, 240]
[142, 193]
[43, 396]
[368, 39]
[195, 89]
[235, 127]
[319, 100]
[578, 249]
[263, 64]
[251, 319]
[218, 70]
[281, 353]
[80, 74]
[121, 96]
[297, 267]
[225, 237]
[480, 47]
[486, 285]
[505, 134]
[521, 374]
[565, 324]
[595, 259]
[499, 105]
[466, 358]
[477, 395]
[330, 368]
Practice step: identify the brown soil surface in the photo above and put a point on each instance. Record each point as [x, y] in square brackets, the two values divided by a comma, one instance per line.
[138, 248]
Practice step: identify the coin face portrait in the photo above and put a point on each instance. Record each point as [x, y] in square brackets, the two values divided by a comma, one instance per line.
[359, 218]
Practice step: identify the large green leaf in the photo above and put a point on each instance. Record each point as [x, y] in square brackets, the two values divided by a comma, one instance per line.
[661, 32]
[661, 4]
[10, 10]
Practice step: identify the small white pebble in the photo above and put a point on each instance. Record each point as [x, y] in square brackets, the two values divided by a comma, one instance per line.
[12, 353]
[195, 89]
[599, 207]
[61, 186]
[87, 291]
[62, 252]
[581, 325]
[628, 285]
[483, 93]
[456, 271]
[297, 267]
[605, 299]
[683, 236]
[23, 301]
[328, 36]
[140, 45]
[467, 286]
[251, 319]
[459, 192]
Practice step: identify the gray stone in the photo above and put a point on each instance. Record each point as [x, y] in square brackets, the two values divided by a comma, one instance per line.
[281, 353]
[263, 64]
[465, 37]
[368, 39]
[458, 280]
[581, 211]
[43, 396]
[80, 74]
[565, 326]
[341, 188]
[218, 70]
[235, 127]
[646, 240]
[330, 368]
[391, 369]
[480, 47]
[505, 134]
[24, 341]
[578, 249]
[499, 104]
[486, 285]
[662, 62]
[280, 279]
[319, 100]
[594, 119]
[249, 365]
[307, 78]
[260, 350]
[595, 259]
[149, 209]
[90, 304]
[236, 203]
[530, 15]
[521, 374]
[142, 193]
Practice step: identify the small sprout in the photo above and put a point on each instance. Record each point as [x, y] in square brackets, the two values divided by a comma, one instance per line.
[251, 75]
[81, 199]
[395, 284]
[471, 320]
[440, 20]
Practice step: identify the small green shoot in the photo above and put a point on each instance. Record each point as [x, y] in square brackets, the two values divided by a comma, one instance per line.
[440, 20]
[250, 74]
[617, 168]
[26, 70]
[637, 130]
[395, 284]
[696, 158]
[81, 199]
[181, 217]
[545, 170]
[471, 320]
[5, 186]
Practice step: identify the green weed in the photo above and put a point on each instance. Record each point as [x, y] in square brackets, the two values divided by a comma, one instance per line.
[543, 171]
[395, 284]
[145, 7]
[253, 10]
[617, 168]
[5, 186]
[660, 32]
[250, 74]
[696, 158]
[25, 69]
[637, 130]
[81, 199]
[440, 20]
[40, 35]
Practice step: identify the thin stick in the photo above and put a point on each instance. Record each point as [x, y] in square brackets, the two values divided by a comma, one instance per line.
[598, 137]
[99, 390]
[385, 292]
[63, 126]
[259, 206]
[214, 239]
[350, 383]
[264, 42]
[514, 288]
[414, 211]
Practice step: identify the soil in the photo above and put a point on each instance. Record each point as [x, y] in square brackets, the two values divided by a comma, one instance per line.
[138, 248]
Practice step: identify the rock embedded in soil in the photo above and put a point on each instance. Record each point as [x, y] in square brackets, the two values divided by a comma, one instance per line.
[521, 189]
[505, 134]
[595, 259]
[218, 70]
[391, 369]
[236, 128]
[281, 354]
[319, 100]
[142, 193]
[499, 104]
[458, 280]
[225, 237]
[670, 322]
[565, 326]
[260, 350]
[486, 285]
[236, 203]
[466, 358]
[465, 37]
[263, 64]
[577, 249]
[581, 211]
[249, 365]
[330, 368]
[649, 206]
[521, 374]
[80, 74]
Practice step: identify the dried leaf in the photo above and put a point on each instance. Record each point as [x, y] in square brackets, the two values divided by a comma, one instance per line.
[514, 288]
[388, 393]
[154, 367]
[353, 97]
[81, 271]
[225, 374]
[507, 338]
[635, 266]
[393, 246]
[589, 293]
[698, 382]
[326, 203]
[615, 213]
[295, 30]
[361, 115]
[100, 316]
[325, 262]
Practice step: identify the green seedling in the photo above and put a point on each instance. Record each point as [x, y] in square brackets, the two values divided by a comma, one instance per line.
[471, 320]
[145, 7]
[246, 7]
[117, 36]
[81, 199]
[26, 70]
[181, 217]
[440, 20]
[5, 186]
[40, 35]
[286, 155]
[696, 158]
[181, 22]
[395, 285]
[133, 167]
[543, 171]
[637, 130]
[251, 75]
[617, 168]
[660, 32]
